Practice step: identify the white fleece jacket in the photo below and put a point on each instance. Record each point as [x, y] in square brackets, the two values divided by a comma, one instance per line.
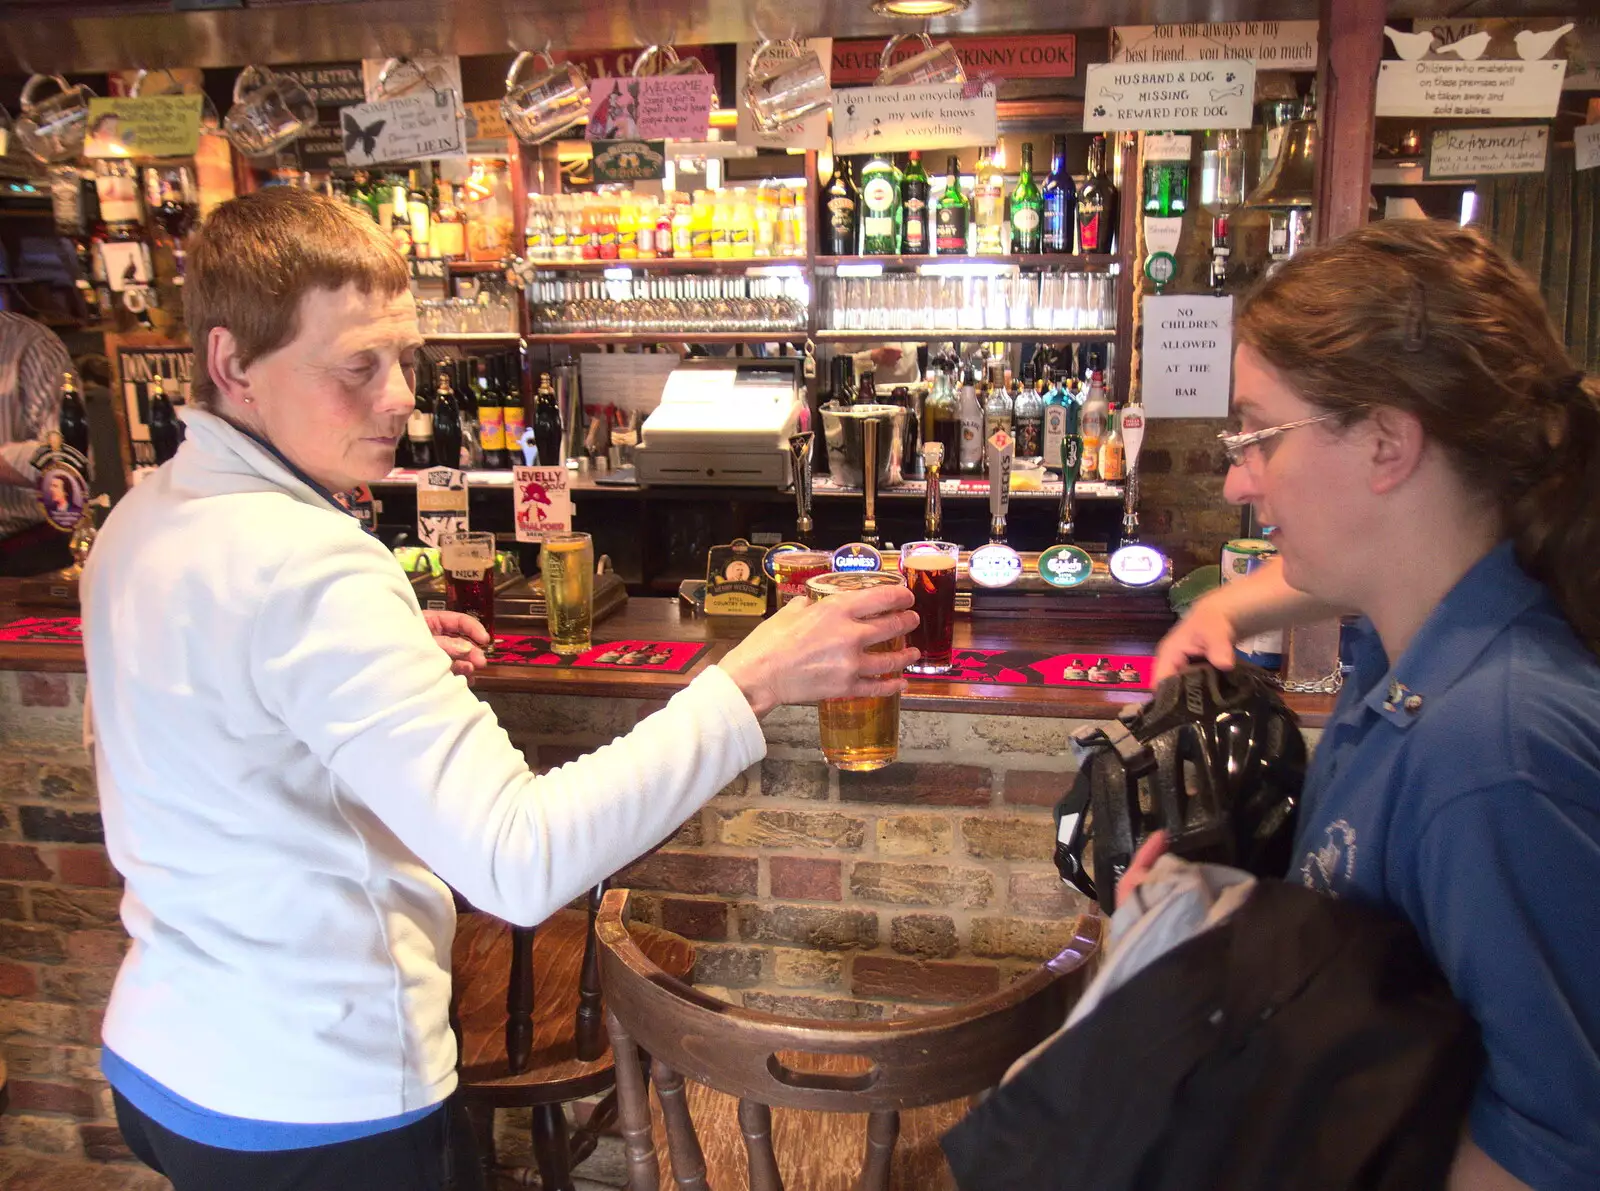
[285, 762]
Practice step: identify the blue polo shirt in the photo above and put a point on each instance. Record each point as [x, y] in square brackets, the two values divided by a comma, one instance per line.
[1460, 788]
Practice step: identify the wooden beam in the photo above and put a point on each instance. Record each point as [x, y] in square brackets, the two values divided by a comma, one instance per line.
[1350, 45]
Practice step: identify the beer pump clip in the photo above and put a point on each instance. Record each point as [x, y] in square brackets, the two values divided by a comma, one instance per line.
[1065, 564]
[1134, 564]
[997, 564]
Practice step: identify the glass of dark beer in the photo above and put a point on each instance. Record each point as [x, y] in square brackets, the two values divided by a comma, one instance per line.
[468, 563]
[930, 572]
[858, 734]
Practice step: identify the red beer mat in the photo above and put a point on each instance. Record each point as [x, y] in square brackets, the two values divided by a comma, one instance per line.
[654, 657]
[1025, 667]
[44, 630]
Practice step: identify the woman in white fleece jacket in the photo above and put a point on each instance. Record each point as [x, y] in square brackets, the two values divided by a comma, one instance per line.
[291, 767]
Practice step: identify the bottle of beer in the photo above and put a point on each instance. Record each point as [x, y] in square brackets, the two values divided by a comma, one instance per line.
[74, 420]
[166, 432]
[840, 221]
[914, 208]
[419, 429]
[1027, 209]
[509, 379]
[950, 221]
[547, 424]
[446, 422]
[491, 420]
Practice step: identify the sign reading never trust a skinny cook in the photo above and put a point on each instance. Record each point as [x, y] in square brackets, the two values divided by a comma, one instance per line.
[1170, 96]
[895, 119]
[1188, 356]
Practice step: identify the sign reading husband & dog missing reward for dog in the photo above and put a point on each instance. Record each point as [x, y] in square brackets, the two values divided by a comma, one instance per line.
[1168, 96]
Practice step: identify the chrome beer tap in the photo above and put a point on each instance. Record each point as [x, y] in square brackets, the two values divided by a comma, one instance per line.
[869, 480]
[1071, 461]
[1002, 447]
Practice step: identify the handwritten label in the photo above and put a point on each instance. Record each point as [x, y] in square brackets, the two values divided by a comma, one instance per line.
[484, 121]
[1586, 146]
[441, 504]
[1517, 90]
[629, 161]
[1271, 45]
[543, 502]
[1176, 95]
[1188, 356]
[1031, 56]
[657, 107]
[894, 119]
[1471, 152]
[157, 126]
[406, 129]
[810, 133]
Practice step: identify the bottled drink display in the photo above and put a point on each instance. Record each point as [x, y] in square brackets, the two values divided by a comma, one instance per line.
[1027, 422]
[467, 405]
[1027, 209]
[74, 420]
[914, 239]
[1097, 203]
[547, 424]
[839, 226]
[446, 422]
[1060, 201]
[447, 235]
[166, 432]
[880, 207]
[950, 221]
[989, 207]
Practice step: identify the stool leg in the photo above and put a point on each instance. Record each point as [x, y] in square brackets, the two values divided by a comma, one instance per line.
[481, 1117]
[550, 1147]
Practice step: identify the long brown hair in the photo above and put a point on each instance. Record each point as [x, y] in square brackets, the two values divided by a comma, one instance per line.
[1434, 319]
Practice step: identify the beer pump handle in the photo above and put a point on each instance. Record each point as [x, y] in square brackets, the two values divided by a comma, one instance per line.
[933, 510]
[869, 480]
[1001, 449]
[800, 446]
[1071, 459]
[1133, 444]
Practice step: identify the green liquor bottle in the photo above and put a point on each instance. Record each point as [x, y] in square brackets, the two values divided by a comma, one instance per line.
[880, 208]
[1027, 209]
[914, 239]
[952, 217]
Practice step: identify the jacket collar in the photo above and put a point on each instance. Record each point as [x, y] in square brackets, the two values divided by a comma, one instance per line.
[225, 447]
[1475, 611]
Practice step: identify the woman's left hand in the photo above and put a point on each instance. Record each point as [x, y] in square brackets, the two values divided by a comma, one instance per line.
[462, 638]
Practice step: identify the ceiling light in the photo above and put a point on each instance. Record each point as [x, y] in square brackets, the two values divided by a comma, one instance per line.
[919, 8]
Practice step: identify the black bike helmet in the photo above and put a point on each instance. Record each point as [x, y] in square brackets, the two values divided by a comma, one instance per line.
[1215, 759]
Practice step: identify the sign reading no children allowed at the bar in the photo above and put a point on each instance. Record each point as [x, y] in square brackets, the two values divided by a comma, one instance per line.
[1173, 96]
[895, 119]
[1188, 356]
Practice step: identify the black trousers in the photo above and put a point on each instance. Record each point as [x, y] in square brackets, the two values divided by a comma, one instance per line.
[436, 1153]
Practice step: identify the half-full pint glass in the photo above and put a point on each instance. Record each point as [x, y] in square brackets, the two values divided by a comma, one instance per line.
[859, 734]
[567, 565]
[468, 563]
[930, 572]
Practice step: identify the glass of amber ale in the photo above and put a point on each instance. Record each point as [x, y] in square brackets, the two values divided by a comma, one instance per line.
[567, 565]
[859, 734]
[468, 563]
[930, 572]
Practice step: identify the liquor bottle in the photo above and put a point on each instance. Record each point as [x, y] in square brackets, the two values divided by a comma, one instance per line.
[448, 231]
[74, 420]
[1060, 204]
[840, 223]
[1113, 457]
[1097, 205]
[914, 208]
[1027, 421]
[950, 228]
[419, 429]
[1060, 420]
[989, 207]
[166, 432]
[997, 415]
[508, 377]
[867, 388]
[491, 420]
[880, 207]
[1166, 175]
[1027, 217]
[1093, 425]
[547, 424]
[941, 420]
[466, 402]
[844, 379]
[446, 421]
[970, 412]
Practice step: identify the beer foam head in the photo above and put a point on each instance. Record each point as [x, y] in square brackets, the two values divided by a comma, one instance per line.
[835, 582]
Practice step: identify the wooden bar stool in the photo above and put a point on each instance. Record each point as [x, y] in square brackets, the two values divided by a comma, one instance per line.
[924, 1066]
[526, 1007]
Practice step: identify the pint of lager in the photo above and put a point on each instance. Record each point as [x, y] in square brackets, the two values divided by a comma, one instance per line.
[859, 734]
[566, 563]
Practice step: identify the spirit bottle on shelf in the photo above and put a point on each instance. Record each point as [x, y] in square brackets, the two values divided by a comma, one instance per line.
[1027, 217]
[508, 377]
[914, 208]
[880, 207]
[1060, 202]
[1097, 204]
[997, 413]
[1113, 458]
[1093, 423]
[839, 226]
[446, 421]
[547, 424]
[448, 231]
[970, 411]
[419, 430]
[1027, 422]
[950, 230]
[989, 207]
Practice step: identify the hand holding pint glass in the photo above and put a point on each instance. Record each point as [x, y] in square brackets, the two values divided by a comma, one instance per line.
[468, 563]
[567, 564]
[859, 733]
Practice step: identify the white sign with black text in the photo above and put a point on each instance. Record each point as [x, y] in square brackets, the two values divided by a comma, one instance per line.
[895, 119]
[1473, 152]
[441, 504]
[1586, 146]
[1271, 45]
[412, 128]
[1494, 88]
[1188, 356]
[809, 133]
[1169, 96]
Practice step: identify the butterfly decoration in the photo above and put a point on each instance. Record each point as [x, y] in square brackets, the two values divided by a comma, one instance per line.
[368, 136]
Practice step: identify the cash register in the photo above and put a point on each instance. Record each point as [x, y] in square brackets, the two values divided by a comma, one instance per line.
[723, 421]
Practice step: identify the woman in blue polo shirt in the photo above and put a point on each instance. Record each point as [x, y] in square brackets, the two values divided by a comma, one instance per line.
[1429, 456]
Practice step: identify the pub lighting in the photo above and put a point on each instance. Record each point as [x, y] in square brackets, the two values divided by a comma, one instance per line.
[919, 8]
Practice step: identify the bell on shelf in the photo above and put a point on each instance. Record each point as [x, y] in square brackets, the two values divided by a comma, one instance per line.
[1288, 192]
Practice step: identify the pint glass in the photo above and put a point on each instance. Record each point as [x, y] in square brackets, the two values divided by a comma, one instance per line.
[567, 565]
[468, 563]
[930, 572]
[796, 568]
[859, 734]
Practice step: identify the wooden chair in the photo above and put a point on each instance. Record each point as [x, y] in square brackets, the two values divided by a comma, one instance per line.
[526, 1007]
[878, 1068]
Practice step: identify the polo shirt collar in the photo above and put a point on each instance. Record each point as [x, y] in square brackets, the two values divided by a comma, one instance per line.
[1474, 612]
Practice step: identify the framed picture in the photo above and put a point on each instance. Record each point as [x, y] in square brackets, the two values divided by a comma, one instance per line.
[136, 360]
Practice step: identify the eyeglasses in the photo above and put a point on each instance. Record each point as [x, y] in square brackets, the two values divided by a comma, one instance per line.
[1235, 445]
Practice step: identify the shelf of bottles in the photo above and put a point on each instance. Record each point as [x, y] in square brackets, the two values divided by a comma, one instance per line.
[706, 230]
[676, 306]
[1050, 304]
